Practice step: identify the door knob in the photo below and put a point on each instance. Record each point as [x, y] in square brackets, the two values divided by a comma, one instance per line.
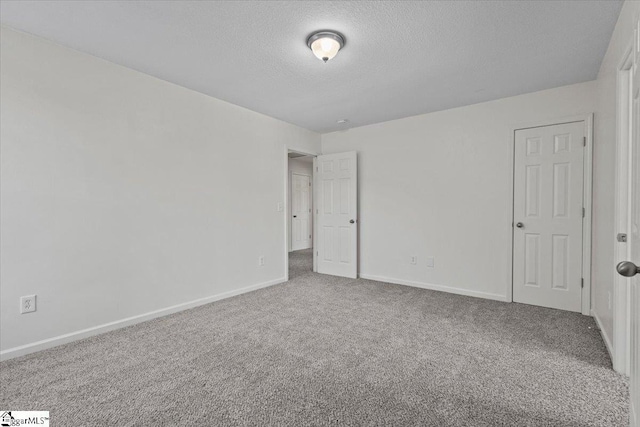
[351, 221]
[519, 225]
[627, 269]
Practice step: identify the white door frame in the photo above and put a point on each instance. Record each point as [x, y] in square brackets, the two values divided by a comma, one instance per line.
[587, 197]
[285, 217]
[621, 297]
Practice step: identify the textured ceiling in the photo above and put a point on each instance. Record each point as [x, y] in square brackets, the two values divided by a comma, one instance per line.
[400, 58]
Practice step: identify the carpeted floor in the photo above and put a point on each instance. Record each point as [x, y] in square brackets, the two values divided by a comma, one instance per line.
[322, 350]
[300, 262]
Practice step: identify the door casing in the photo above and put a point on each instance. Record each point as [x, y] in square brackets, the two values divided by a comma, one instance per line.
[287, 196]
[633, 241]
[587, 197]
[621, 296]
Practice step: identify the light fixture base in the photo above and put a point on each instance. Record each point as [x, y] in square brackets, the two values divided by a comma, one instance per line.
[326, 33]
[325, 44]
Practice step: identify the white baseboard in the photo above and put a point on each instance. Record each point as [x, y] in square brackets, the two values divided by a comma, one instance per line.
[100, 329]
[441, 288]
[605, 338]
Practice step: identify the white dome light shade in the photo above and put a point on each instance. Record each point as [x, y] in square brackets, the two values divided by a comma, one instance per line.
[325, 48]
[325, 44]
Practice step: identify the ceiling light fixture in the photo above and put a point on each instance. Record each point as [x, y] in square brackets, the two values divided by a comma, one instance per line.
[325, 44]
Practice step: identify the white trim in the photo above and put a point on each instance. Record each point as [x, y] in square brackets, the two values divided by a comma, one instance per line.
[286, 213]
[551, 122]
[314, 252]
[434, 287]
[511, 198]
[587, 220]
[620, 297]
[100, 329]
[605, 338]
[587, 118]
[285, 217]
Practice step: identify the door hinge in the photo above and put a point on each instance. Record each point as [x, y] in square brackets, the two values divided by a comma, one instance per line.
[317, 211]
[583, 212]
[309, 184]
[582, 283]
[584, 141]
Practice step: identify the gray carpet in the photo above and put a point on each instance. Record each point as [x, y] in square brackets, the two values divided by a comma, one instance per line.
[322, 350]
[300, 262]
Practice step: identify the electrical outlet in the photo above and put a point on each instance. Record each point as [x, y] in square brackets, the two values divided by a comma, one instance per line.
[27, 304]
[429, 262]
[280, 207]
[261, 260]
[414, 259]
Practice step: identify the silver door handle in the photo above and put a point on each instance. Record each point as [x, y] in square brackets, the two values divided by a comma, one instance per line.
[519, 225]
[627, 269]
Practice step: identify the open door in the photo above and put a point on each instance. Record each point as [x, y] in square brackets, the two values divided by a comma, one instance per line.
[630, 268]
[337, 214]
[633, 240]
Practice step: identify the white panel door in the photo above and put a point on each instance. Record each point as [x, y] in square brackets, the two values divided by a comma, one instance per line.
[633, 238]
[300, 212]
[548, 213]
[337, 214]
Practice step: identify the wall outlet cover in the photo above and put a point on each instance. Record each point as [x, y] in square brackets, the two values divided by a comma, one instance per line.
[27, 304]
